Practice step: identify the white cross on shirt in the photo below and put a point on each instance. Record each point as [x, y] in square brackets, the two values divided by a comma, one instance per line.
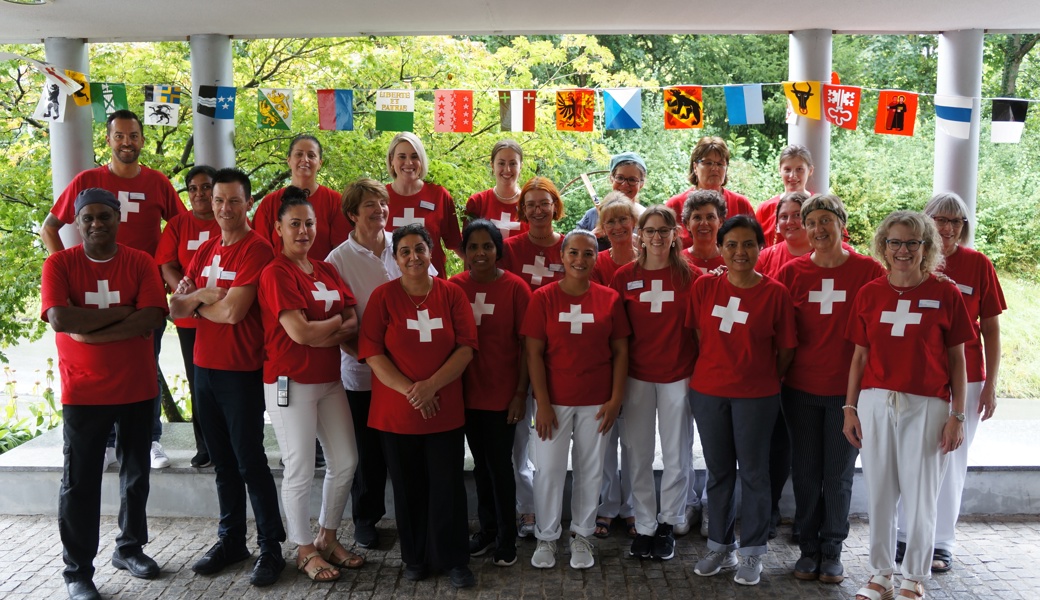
[504, 224]
[827, 296]
[900, 318]
[537, 271]
[729, 314]
[324, 293]
[656, 296]
[103, 298]
[576, 318]
[128, 203]
[481, 308]
[425, 325]
[408, 218]
[213, 272]
[194, 244]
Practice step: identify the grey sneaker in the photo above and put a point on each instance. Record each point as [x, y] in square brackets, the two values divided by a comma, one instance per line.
[544, 556]
[714, 562]
[581, 553]
[525, 525]
[749, 570]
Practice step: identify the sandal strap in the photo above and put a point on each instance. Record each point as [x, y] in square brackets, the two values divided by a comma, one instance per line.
[881, 581]
[910, 585]
[307, 559]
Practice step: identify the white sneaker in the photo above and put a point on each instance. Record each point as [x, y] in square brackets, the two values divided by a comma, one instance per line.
[110, 459]
[749, 571]
[714, 562]
[544, 556]
[159, 458]
[684, 527]
[581, 553]
[704, 522]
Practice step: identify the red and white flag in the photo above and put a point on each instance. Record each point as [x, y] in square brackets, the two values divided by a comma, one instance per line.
[453, 111]
[517, 109]
[841, 105]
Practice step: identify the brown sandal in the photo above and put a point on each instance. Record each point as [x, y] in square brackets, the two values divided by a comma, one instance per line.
[914, 587]
[316, 572]
[352, 560]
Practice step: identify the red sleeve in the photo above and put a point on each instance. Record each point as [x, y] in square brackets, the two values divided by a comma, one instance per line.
[856, 330]
[166, 251]
[152, 291]
[991, 300]
[521, 300]
[373, 326]
[961, 328]
[622, 328]
[451, 235]
[462, 317]
[264, 217]
[172, 203]
[786, 329]
[258, 257]
[54, 284]
[534, 320]
[276, 294]
[471, 211]
[64, 208]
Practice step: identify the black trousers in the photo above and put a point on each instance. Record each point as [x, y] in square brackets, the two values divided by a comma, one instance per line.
[822, 467]
[490, 440]
[779, 463]
[231, 404]
[186, 336]
[368, 492]
[85, 432]
[429, 497]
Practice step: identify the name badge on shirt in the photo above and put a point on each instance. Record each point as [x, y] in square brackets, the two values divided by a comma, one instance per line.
[427, 205]
[927, 303]
[556, 268]
[634, 285]
[967, 290]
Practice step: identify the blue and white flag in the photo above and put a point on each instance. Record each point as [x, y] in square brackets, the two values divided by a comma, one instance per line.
[744, 104]
[622, 109]
[216, 102]
[953, 115]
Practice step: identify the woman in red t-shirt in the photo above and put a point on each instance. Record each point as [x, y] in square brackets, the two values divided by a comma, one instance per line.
[418, 334]
[576, 334]
[307, 313]
[789, 228]
[745, 324]
[796, 167]
[904, 408]
[499, 203]
[703, 213]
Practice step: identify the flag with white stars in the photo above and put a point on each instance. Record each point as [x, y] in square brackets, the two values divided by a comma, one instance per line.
[453, 111]
[216, 101]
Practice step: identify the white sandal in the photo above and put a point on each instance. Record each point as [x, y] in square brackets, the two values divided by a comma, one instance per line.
[887, 589]
[916, 587]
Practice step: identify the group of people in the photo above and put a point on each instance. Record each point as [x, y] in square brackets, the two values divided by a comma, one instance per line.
[334, 314]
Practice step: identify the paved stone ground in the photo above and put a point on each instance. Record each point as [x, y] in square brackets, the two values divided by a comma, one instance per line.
[999, 559]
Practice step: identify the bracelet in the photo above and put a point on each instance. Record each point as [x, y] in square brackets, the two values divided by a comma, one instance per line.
[852, 406]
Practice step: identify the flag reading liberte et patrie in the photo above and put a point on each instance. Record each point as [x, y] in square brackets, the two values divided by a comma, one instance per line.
[336, 110]
[395, 110]
[516, 109]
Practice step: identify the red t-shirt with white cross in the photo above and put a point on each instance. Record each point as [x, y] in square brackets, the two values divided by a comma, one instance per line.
[181, 239]
[418, 341]
[144, 202]
[907, 335]
[605, 268]
[491, 378]
[577, 331]
[331, 225]
[434, 209]
[238, 347]
[823, 299]
[120, 372]
[983, 297]
[660, 349]
[740, 332]
[284, 286]
[486, 205]
[702, 265]
[736, 204]
[536, 265]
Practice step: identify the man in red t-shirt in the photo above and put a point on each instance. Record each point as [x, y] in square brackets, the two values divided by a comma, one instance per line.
[219, 290]
[103, 300]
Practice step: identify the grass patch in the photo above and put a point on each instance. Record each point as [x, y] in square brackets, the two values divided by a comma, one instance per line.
[1020, 338]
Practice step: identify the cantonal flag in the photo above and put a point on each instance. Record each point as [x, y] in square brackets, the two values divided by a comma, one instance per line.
[216, 101]
[841, 105]
[744, 104]
[953, 115]
[395, 110]
[575, 109]
[623, 108]
[274, 108]
[804, 98]
[897, 113]
[683, 107]
[517, 109]
[1009, 120]
[82, 95]
[107, 98]
[336, 110]
[162, 104]
[453, 111]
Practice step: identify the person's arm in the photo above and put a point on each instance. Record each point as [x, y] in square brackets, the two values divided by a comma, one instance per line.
[608, 412]
[140, 323]
[171, 274]
[49, 233]
[545, 417]
[423, 394]
[309, 333]
[74, 319]
[784, 357]
[187, 298]
[953, 430]
[852, 428]
[517, 409]
[991, 348]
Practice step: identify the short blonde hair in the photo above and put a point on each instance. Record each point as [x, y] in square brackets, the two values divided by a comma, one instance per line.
[411, 138]
[922, 227]
[614, 203]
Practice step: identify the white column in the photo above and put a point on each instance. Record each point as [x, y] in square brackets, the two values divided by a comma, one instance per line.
[72, 148]
[959, 74]
[211, 65]
[810, 60]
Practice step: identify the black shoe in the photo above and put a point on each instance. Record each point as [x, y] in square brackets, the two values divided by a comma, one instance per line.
[642, 546]
[366, 535]
[82, 589]
[219, 557]
[831, 569]
[201, 460]
[416, 572]
[139, 565]
[807, 568]
[900, 551]
[504, 557]
[269, 565]
[796, 535]
[774, 522]
[462, 577]
[481, 542]
[664, 542]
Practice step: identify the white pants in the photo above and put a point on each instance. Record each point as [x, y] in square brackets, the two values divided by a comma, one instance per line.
[615, 493]
[577, 423]
[523, 470]
[902, 460]
[664, 405]
[318, 409]
[948, 509]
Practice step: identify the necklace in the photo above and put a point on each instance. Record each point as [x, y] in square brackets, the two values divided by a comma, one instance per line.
[901, 292]
[409, 296]
[540, 237]
[504, 198]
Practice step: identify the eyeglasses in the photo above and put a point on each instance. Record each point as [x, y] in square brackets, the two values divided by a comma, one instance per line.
[650, 233]
[789, 218]
[538, 205]
[708, 164]
[911, 245]
[955, 223]
[632, 181]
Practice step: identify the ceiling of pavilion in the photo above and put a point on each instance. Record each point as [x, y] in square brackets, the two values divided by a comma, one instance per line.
[152, 20]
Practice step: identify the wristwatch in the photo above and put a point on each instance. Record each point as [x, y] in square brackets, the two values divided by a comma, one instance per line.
[957, 415]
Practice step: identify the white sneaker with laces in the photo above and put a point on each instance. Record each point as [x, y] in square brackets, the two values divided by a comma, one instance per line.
[749, 571]
[159, 458]
[581, 553]
[110, 459]
[544, 556]
[684, 527]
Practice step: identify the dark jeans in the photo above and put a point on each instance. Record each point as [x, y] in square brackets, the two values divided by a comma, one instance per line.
[186, 337]
[85, 432]
[429, 497]
[368, 492]
[779, 462]
[157, 401]
[231, 404]
[490, 440]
